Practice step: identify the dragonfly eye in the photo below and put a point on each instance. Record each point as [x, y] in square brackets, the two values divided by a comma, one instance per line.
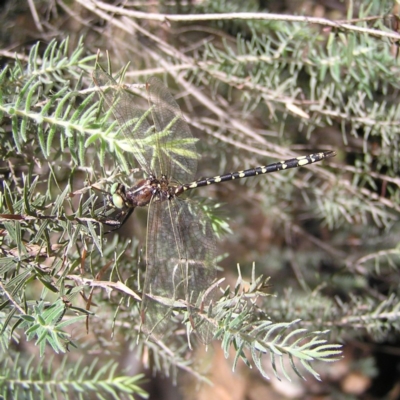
[118, 201]
[114, 188]
[117, 192]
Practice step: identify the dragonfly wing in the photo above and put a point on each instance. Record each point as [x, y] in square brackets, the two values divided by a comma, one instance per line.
[175, 143]
[160, 256]
[180, 266]
[197, 239]
[132, 116]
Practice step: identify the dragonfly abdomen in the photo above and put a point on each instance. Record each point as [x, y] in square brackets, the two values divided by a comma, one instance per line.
[278, 166]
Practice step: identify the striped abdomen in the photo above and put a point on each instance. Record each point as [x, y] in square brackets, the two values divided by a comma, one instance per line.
[281, 165]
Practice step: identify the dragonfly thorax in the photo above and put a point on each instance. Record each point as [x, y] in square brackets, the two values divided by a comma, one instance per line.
[142, 193]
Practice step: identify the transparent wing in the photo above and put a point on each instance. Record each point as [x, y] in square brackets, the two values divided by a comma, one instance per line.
[180, 266]
[132, 117]
[178, 157]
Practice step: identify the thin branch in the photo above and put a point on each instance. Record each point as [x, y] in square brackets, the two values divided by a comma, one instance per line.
[35, 16]
[16, 305]
[165, 18]
[105, 285]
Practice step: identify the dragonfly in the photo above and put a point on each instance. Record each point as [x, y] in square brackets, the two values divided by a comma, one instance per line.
[180, 241]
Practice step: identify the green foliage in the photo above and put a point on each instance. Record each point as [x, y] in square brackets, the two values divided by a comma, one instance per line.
[244, 326]
[46, 326]
[21, 378]
[279, 89]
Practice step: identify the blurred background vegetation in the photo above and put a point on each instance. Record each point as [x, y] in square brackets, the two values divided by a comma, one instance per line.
[255, 88]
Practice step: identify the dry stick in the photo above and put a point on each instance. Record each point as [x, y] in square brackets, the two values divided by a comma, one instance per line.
[93, 4]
